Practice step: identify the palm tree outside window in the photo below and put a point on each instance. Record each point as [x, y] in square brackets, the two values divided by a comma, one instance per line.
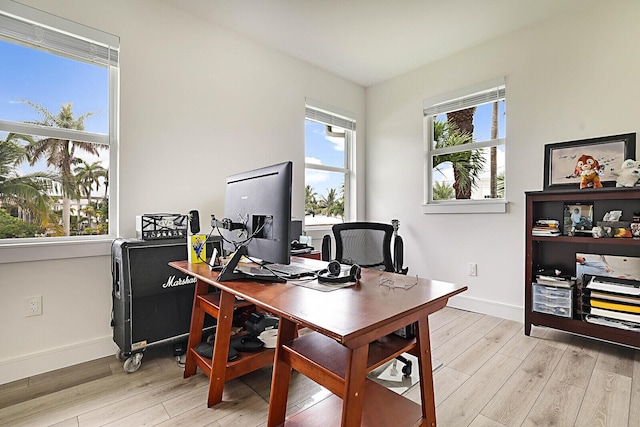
[465, 154]
[329, 136]
[59, 125]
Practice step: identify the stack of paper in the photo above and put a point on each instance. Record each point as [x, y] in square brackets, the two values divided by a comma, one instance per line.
[615, 302]
[546, 227]
[562, 281]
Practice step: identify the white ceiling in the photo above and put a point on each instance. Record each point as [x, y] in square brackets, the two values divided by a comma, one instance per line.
[370, 41]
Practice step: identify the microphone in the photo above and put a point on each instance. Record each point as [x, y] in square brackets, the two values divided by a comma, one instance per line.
[194, 221]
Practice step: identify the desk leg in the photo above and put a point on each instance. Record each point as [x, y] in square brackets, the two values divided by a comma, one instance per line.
[221, 348]
[426, 373]
[281, 375]
[355, 377]
[195, 329]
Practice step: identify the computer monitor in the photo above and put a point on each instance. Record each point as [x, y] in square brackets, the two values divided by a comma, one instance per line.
[257, 216]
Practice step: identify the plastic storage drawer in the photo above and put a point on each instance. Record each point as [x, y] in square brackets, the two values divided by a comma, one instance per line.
[552, 300]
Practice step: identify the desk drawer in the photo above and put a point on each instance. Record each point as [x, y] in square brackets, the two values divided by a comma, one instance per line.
[552, 300]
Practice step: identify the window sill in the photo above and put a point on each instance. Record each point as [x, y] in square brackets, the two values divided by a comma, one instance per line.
[60, 249]
[466, 207]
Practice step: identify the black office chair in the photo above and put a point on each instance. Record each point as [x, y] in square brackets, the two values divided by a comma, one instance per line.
[368, 244]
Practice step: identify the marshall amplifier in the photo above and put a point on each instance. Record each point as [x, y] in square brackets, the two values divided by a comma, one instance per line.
[152, 301]
[161, 226]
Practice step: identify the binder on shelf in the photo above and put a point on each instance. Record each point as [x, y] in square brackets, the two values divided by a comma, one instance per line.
[627, 317]
[625, 308]
[628, 326]
[614, 285]
[613, 297]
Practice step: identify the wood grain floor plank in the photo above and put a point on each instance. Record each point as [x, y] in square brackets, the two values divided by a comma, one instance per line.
[234, 401]
[466, 402]
[234, 391]
[486, 324]
[512, 403]
[616, 359]
[12, 387]
[147, 398]
[488, 345]
[443, 317]
[557, 405]
[634, 409]
[482, 421]
[556, 338]
[147, 417]
[606, 401]
[575, 367]
[520, 345]
[445, 382]
[456, 345]
[60, 379]
[72, 422]
[76, 400]
[453, 329]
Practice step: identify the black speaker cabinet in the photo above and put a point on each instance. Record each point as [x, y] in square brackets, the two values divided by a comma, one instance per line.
[152, 301]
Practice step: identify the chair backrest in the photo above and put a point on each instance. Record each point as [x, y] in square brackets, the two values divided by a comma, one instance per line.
[367, 244]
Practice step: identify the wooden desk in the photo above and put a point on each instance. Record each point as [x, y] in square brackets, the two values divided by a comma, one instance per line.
[348, 322]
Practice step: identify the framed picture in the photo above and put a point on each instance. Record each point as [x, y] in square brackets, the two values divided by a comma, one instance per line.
[578, 219]
[604, 154]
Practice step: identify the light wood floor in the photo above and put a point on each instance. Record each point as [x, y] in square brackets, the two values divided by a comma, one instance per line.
[492, 376]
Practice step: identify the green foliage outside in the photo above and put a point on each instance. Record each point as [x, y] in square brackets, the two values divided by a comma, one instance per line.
[11, 227]
[467, 165]
[28, 197]
[443, 191]
[330, 205]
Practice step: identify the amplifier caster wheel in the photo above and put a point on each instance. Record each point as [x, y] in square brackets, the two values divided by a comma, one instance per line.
[120, 356]
[133, 363]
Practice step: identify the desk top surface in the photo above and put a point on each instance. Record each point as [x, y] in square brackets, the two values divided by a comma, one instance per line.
[353, 315]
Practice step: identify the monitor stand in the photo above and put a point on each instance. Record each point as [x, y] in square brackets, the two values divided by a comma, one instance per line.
[229, 271]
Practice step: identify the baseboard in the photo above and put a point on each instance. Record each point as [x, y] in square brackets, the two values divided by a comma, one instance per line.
[49, 360]
[492, 308]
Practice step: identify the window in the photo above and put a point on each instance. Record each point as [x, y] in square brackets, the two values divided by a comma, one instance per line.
[58, 138]
[329, 137]
[465, 150]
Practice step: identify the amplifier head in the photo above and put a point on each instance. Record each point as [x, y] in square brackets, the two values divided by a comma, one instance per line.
[161, 226]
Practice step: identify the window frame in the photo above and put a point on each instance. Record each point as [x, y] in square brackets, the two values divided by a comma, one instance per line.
[84, 44]
[467, 97]
[329, 115]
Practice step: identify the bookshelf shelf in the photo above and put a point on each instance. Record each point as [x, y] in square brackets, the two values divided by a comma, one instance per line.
[560, 252]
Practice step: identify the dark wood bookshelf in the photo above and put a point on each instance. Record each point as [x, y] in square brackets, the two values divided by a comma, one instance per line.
[560, 252]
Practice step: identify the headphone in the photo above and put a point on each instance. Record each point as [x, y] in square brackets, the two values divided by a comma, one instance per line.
[331, 274]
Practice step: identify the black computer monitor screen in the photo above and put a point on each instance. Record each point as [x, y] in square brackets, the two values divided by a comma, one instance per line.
[258, 203]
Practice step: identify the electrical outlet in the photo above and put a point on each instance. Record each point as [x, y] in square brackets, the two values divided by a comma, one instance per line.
[472, 269]
[33, 306]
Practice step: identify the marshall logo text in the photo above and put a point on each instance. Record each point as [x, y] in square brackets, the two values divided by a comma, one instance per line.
[172, 282]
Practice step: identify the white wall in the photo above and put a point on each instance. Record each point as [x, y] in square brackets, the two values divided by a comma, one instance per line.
[197, 104]
[573, 77]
